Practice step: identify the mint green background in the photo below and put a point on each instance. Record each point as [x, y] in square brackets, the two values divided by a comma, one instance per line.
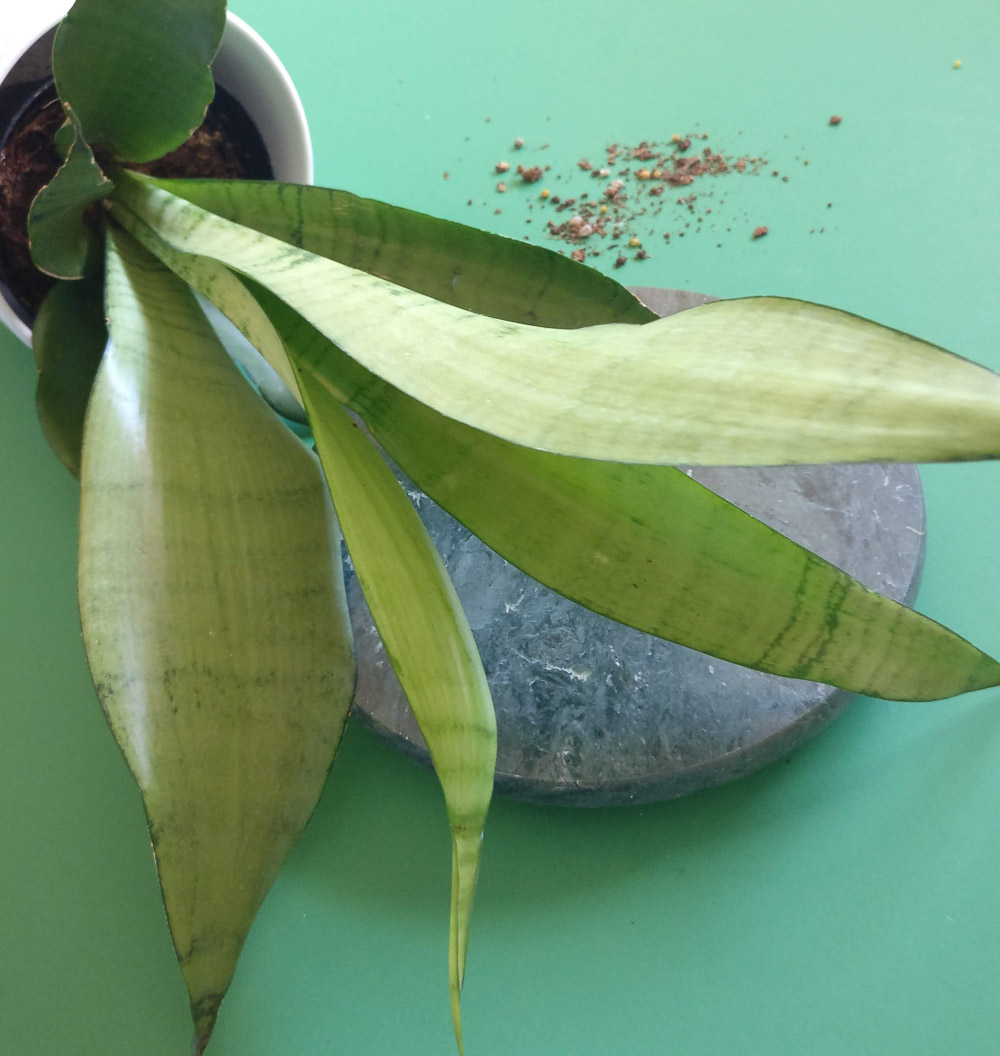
[841, 903]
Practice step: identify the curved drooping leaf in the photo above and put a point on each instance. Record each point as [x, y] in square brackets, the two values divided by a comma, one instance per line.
[426, 636]
[68, 340]
[62, 243]
[759, 381]
[136, 75]
[645, 545]
[650, 547]
[450, 262]
[213, 611]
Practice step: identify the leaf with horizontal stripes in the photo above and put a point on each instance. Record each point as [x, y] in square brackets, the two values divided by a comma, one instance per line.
[461, 265]
[645, 545]
[748, 382]
[426, 636]
[213, 611]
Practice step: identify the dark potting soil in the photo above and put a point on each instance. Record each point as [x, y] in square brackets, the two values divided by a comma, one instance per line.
[28, 161]
[227, 145]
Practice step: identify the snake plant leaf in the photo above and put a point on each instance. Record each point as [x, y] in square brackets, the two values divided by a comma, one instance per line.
[426, 636]
[218, 285]
[213, 612]
[68, 339]
[650, 547]
[758, 381]
[62, 242]
[455, 263]
[645, 545]
[137, 75]
[263, 359]
[408, 590]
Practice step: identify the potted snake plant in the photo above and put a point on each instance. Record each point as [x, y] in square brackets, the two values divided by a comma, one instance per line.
[533, 398]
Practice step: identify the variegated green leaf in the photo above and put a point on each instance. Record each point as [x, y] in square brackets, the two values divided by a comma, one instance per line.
[426, 636]
[213, 612]
[650, 547]
[758, 381]
[645, 545]
[461, 265]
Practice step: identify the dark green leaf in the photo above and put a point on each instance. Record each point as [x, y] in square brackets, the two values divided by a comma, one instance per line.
[213, 612]
[137, 74]
[64, 137]
[68, 339]
[64, 240]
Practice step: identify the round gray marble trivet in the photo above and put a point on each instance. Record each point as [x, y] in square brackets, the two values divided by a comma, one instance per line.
[593, 713]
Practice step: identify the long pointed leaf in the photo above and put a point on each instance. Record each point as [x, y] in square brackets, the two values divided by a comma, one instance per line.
[408, 590]
[758, 381]
[213, 610]
[645, 545]
[427, 638]
[650, 547]
[450, 262]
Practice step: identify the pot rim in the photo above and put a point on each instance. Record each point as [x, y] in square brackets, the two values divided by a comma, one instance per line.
[246, 66]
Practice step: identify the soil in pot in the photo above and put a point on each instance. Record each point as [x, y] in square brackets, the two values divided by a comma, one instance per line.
[227, 145]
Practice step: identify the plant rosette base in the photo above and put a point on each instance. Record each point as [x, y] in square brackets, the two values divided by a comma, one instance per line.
[245, 67]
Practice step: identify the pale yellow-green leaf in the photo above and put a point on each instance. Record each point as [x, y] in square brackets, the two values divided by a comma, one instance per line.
[757, 381]
[474, 269]
[645, 545]
[426, 636]
[213, 611]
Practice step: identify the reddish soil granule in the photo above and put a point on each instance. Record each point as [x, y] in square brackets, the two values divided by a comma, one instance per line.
[630, 191]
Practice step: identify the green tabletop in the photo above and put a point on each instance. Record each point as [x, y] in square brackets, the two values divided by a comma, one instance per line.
[842, 902]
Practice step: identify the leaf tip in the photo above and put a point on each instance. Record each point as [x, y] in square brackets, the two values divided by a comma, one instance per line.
[205, 1013]
[456, 1004]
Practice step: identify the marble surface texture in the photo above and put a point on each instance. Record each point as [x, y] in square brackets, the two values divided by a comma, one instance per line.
[593, 713]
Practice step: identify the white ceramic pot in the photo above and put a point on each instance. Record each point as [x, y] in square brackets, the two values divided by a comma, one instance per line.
[245, 66]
